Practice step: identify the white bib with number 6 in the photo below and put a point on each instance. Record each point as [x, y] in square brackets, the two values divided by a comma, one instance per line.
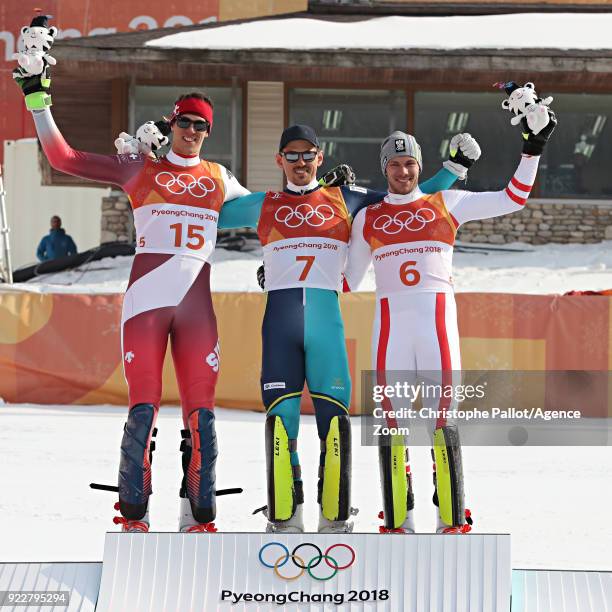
[411, 245]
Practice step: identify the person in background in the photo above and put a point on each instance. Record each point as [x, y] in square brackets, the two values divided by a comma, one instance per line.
[57, 243]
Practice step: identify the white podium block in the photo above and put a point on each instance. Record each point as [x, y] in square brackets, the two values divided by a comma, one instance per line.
[71, 586]
[168, 572]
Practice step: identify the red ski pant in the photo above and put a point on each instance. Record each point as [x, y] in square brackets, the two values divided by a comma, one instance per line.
[191, 326]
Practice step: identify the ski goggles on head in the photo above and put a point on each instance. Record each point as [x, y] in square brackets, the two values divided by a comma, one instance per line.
[199, 125]
[293, 156]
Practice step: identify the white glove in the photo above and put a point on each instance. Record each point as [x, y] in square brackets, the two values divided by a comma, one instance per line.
[467, 144]
[463, 151]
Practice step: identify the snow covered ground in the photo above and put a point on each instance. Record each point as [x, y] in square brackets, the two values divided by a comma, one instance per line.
[552, 268]
[554, 501]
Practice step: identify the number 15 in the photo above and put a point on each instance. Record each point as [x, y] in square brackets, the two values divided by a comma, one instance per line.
[194, 232]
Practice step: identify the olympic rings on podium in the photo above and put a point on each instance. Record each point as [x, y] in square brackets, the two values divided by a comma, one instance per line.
[320, 554]
[293, 558]
[349, 548]
[287, 555]
[334, 567]
[304, 566]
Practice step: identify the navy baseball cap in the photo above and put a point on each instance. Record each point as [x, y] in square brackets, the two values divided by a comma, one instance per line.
[298, 132]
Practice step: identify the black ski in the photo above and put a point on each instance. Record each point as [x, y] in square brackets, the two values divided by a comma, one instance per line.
[115, 489]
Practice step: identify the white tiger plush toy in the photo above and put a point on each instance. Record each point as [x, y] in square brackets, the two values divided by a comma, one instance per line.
[35, 41]
[150, 137]
[524, 103]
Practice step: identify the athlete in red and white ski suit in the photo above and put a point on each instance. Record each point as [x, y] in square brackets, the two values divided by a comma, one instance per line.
[410, 240]
[176, 202]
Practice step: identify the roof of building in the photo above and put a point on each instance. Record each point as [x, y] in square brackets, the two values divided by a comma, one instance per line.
[454, 7]
[584, 31]
[303, 47]
[299, 31]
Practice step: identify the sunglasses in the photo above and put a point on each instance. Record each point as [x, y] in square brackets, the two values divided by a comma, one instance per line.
[199, 125]
[293, 156]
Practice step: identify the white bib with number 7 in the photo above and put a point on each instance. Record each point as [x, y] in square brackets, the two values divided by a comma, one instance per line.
[304, 262]
[305, 239]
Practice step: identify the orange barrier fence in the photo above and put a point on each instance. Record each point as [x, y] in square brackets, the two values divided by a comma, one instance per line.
[65, 348]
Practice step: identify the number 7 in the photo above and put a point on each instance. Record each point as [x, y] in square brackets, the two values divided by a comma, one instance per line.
[309, 259]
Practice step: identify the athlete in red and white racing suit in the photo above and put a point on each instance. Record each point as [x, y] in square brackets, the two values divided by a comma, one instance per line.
[409, 236]
[176, 202]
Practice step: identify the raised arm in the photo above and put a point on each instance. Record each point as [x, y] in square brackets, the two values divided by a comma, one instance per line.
[359, 255]
[463, 151]
[116, 169]
[538, 124]
[468, 206]
[441, 180]
[241, 212]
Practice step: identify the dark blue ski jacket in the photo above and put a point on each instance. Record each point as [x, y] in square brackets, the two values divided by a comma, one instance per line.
[57, 243]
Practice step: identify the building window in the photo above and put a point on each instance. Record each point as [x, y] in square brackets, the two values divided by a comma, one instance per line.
[225, 142]
[574, 161]
[351, 125]
[438, 116]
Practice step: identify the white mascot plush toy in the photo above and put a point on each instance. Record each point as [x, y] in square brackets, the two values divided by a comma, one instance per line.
[150, 137]
[524, 103]
[35, 41]
[126, 144]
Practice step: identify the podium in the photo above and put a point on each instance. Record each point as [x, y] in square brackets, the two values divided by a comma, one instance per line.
[190, 572]
[168, 572]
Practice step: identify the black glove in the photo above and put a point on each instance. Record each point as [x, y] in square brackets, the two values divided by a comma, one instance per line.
[533, 144]
[35, 88]
[261, 277]
[460, 158]
[338, 176]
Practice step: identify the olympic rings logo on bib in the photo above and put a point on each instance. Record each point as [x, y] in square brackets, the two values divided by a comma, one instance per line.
[405, 219]
[276, 563]
[304, 213]
[181, 183]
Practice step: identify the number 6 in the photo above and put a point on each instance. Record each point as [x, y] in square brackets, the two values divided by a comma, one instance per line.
[409, 275]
